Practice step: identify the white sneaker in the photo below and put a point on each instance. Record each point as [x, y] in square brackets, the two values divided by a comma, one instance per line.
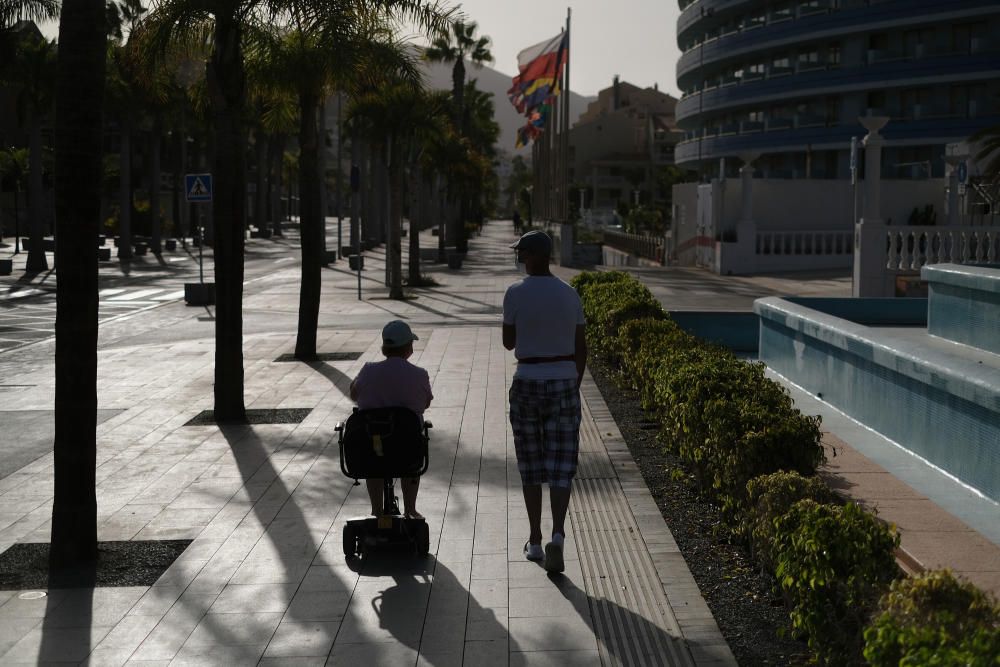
[533, 551]
[554, 554]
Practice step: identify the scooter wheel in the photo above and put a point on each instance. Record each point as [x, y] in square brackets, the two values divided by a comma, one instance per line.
[350, 541]
[423, 540]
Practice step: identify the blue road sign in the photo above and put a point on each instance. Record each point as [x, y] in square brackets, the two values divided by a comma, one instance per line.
[198, 187]
[963, 173]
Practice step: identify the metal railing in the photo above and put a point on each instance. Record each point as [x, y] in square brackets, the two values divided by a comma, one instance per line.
[643, 245]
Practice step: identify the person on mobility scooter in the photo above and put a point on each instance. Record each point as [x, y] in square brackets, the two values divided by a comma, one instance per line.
[385, 438]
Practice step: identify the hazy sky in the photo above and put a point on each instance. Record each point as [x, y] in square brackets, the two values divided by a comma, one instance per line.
[632, 38]
[635, 39]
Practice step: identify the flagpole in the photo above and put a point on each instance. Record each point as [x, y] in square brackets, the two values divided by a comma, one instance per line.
[565, 124]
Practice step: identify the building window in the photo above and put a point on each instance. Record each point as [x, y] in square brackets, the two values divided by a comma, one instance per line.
[781, 11]
[878, 47]
[876, 103]
[968, 37]
[754, 20]
[916, 43]
[832, 111]
[807, 7]
[833, 55]
[915, 103]
[754, 71]
[781, 65]
[968, 101]
[809, 60]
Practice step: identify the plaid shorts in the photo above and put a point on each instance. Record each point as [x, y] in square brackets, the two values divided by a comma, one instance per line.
[545, 418]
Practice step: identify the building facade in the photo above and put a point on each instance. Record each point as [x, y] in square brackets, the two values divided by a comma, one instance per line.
[788, 79]
[618, 143]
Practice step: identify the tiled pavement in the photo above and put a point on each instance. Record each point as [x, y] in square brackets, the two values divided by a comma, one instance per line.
[265, 579]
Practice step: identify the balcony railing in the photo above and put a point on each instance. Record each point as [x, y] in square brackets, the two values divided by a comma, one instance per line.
[909, 248]
[821, 242]
[643, 245]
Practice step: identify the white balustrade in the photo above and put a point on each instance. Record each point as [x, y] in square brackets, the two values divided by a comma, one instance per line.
[818, 242]
[909, 248]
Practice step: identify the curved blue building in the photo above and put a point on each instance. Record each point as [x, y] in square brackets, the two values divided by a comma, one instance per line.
[788, 79]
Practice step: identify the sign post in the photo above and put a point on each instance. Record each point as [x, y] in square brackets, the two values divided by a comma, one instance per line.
[198, 189]
[854, 178]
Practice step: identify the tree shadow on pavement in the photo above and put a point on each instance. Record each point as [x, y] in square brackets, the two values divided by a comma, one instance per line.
[428, 609]
[630, 639]
[338, 378]
[66, 631]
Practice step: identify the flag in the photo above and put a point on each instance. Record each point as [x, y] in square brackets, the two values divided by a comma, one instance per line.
[537, 81]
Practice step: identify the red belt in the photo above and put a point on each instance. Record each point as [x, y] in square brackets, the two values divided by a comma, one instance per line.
[546, 360]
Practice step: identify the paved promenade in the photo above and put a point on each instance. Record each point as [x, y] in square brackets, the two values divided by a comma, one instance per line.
[265, 580]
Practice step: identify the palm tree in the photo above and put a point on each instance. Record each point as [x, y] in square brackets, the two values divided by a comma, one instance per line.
[344, 47]
[454, 47]
[229, 25]
[434, 130]
[225, 24]
[393, 118]
[14, 170]
[78, 169]
[33, 72]
[13, 12]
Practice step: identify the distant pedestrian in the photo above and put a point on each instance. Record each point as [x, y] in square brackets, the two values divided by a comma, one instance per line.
[543, 323]
[517, 222]
[394, 382]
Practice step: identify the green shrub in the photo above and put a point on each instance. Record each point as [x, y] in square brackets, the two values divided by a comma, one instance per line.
[582, 281]
[935, 619]
[769, 497]
[607, 305]
[646, 344]
[731, 423]
[833, 563]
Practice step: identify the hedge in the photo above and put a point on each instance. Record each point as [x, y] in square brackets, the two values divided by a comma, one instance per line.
[935, 619]
[756, 454]
[720, 414]
[833, 563]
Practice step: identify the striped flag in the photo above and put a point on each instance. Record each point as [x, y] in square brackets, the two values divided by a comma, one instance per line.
[537, 81]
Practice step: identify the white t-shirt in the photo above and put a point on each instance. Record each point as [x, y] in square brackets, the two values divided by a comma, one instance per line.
[545, 312]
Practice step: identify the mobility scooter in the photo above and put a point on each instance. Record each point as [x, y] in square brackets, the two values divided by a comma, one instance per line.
[384, 443]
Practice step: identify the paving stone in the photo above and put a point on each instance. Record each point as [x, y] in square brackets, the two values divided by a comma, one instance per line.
[302, 639]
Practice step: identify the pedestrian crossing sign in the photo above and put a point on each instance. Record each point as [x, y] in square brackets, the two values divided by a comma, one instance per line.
[198, 187]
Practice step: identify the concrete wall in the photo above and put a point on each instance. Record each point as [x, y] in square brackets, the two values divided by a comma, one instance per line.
[681, 238]
[792, 205]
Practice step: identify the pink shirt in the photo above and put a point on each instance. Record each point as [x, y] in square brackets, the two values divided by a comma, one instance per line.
[393, 382]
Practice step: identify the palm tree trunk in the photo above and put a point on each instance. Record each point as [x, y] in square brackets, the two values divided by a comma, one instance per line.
[276, 148]
[322, 205]
[260, 199]
[458, 91]
[367, 187]
[440, 211]
[125, 190]
[355, 195]
[155, 231]
[226, 86]
[310, 225]
[182, 215]
[36, 253]
[78, 138]
[395, 178]
[417, 216]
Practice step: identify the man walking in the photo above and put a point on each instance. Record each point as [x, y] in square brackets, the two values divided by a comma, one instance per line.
[543, 323]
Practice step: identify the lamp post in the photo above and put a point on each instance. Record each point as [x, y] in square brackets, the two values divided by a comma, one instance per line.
[870, 278]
